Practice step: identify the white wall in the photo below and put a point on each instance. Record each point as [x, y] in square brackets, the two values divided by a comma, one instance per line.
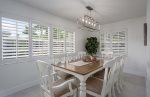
[16, 76]
[136, 50]
[148, 48]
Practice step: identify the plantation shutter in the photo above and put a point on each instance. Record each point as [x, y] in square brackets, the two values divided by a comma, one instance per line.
[58, 41]
[70, 42]
[119, 41]
[15, 38]
[122, 42]
[115, 42]
[40, 40]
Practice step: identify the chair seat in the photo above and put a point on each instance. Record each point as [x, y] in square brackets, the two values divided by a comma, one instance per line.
[100, 74]
[94, 85]
[63, 89]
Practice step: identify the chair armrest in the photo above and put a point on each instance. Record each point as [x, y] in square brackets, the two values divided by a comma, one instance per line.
[69, 82]
[55, 76]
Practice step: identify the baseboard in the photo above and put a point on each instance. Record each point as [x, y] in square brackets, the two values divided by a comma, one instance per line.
[18, 88]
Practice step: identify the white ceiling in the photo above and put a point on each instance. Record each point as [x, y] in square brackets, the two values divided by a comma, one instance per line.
[106, 11]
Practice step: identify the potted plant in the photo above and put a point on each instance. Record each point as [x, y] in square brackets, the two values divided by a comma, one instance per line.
[91, 46]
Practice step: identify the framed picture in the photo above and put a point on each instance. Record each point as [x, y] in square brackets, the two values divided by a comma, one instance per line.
[145, 34]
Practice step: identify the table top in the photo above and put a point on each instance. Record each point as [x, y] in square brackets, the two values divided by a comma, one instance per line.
[85, 69]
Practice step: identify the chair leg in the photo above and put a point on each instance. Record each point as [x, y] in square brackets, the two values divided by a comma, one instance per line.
[121, 84]
[109, 94]
[118, 87]
[42, 93]
[75, 94]
[113, 91]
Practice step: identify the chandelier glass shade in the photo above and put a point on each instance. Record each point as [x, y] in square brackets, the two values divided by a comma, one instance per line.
[88, 21]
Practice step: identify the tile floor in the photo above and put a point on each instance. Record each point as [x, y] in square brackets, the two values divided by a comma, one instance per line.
[134, 86]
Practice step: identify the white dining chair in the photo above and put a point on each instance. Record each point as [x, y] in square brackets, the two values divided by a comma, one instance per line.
[99, 88]
[72, 57]
[107, 54]
[118, 80]
[116, 76]
[51, 88]
[82, 54]
[122, 62]
[57, 60]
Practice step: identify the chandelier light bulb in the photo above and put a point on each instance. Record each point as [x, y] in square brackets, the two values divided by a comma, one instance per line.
[86, 21]
[83, 19]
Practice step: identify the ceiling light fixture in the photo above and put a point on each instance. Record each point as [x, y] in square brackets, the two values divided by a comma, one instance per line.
[87, 21]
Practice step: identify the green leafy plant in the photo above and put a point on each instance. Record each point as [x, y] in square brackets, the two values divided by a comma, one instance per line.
[91, 46]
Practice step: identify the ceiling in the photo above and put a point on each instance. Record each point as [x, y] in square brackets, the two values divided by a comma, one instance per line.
[105, 11]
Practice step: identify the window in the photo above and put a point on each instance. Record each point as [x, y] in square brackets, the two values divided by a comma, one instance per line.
[21, 39]
[105, 42]
[15, 38]
[40, 40]
[58, 41]
[115, 42]
[119, 43]
[70, 42]
[63, 42]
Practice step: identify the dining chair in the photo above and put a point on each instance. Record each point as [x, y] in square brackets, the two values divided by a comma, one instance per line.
[99, 88]
[118, 81]
[116, 76]
[100, 74]
[81, 54]
[51, 88]
[122, 62]
[71, 57]
[57, 60]
[107, 54]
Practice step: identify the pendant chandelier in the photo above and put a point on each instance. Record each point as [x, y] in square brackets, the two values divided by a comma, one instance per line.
[88, 22]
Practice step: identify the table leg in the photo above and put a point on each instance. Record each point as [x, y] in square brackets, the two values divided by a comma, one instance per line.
[82, 89]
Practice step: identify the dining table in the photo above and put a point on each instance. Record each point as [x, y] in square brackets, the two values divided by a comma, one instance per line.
[81, 70]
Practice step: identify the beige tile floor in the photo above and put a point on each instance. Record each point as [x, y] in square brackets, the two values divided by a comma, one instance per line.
[134, 86]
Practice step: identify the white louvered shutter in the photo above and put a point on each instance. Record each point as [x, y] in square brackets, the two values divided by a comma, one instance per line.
[70, 42]
[15, 38]
[58, 41]
[40, 40]
[119, 41]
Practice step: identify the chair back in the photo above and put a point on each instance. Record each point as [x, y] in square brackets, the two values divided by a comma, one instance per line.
[118, 68]
[107, 54]
[45, 71]
[110, 69]
[72, 57]
[122, 62]
[60, 58]
[81, 54]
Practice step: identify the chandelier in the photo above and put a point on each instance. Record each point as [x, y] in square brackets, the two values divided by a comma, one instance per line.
[87, 21]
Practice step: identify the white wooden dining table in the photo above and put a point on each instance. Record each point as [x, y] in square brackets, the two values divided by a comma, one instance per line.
[82, 72]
